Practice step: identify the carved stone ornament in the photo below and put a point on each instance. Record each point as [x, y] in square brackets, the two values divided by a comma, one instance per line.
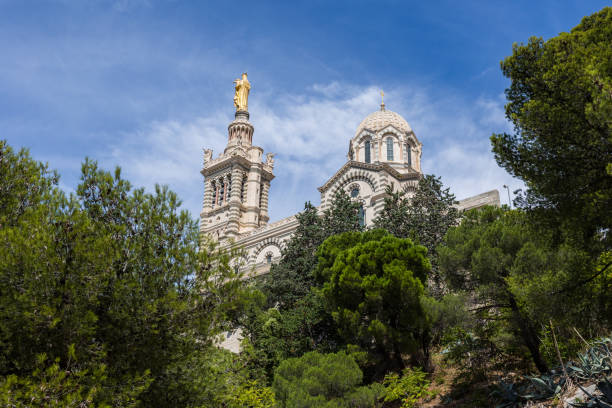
[270, 159]
[207, 155]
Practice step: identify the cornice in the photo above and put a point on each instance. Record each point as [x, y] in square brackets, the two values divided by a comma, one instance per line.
[412, 174]
[222, 163]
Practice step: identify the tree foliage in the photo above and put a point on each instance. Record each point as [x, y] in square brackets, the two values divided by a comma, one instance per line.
[23, 183]
[293, 320]
[481, 256]
[274, 334]
[342, 215]
[219, 378]
[431, 213]
[425, 217]
[395, 214]
[291, 279]
[108, 280]
[110, 298]
[323, 380]
[70, 385]
[373, 284]
[518, 279]
[560, 102]
[408, 388]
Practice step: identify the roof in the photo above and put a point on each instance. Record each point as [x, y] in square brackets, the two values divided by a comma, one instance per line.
[379, 120]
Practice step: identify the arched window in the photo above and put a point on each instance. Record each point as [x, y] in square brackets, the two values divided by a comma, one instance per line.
[229, 187]
[389, 149]
[213, 187]
[268, 258]
[243, 189]
[221, 191]
[361, 215]
[367, 151]
[409, 153]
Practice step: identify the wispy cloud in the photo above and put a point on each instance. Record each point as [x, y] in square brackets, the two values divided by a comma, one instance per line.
[169, 153]
[310, 134]
[147, 84]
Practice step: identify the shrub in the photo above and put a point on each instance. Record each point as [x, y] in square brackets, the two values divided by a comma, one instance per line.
[409, 388]
[323, 380]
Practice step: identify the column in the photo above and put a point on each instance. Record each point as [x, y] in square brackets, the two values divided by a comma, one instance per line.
[252, 201]
[207, 201]
[233, 217]
[263, 211]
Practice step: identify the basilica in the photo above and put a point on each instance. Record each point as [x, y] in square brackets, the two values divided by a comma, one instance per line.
[383, 151]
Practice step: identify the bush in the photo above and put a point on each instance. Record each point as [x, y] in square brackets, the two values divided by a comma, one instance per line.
[323, 380]
[253, 395]
[409, 388]
[50, 385]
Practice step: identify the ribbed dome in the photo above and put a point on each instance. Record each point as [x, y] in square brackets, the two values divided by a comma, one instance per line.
[381, 119]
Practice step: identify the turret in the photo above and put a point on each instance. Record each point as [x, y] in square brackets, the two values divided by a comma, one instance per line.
[237, 183]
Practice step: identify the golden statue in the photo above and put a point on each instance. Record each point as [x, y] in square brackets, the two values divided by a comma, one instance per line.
[241, 96]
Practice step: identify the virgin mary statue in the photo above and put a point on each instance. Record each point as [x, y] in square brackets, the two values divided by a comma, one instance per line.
[241, 96]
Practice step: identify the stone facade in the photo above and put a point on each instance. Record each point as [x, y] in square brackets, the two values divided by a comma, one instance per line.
[236, 184]
[384, 151]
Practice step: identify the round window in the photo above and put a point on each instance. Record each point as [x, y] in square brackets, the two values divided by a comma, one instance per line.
[354, 192]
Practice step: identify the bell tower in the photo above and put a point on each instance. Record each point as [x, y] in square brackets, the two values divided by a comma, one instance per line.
[237, 183]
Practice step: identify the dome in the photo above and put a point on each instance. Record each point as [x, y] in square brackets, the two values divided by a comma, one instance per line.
[379, 120]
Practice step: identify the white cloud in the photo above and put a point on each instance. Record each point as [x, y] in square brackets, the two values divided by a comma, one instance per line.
[310, 135]
[169, 153]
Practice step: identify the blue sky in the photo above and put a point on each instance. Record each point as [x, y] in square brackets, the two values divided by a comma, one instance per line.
[147, 84]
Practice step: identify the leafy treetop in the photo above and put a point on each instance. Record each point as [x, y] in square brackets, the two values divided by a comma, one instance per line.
[560, 102]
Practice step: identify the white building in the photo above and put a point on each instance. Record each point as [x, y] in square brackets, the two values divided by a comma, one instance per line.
[384, 150]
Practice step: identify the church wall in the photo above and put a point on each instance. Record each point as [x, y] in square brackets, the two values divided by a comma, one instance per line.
[273, 237]
[271, 250]
[480, 200]
[367, 181]
[269, 238]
